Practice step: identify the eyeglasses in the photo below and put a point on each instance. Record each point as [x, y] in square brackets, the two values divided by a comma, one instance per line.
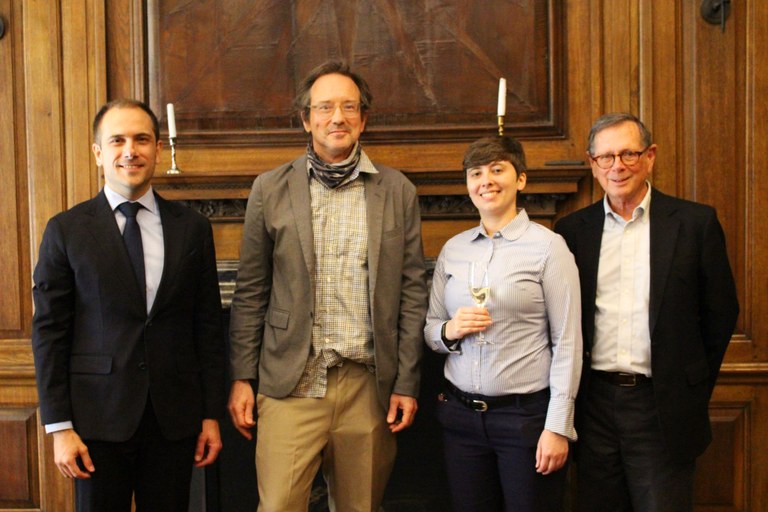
[627, 158]
[326, 110]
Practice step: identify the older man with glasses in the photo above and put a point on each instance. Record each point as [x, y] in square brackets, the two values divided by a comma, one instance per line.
[658, 310]
[329, 309]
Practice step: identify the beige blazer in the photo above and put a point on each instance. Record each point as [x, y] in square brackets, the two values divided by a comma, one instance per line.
[273, 304]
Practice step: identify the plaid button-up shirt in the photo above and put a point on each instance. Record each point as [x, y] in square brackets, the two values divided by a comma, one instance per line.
[342, 321]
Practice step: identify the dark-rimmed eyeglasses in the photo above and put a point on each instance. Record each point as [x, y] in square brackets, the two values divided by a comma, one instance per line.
[627, 157]
[326, 110]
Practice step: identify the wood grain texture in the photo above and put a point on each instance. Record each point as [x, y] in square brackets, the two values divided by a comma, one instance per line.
[14, 254]
[433, 66]
[19, 471]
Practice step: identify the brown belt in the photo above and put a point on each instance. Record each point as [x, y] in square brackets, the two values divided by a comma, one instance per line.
[627, 380]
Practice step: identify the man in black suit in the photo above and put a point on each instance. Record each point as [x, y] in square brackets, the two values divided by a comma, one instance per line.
[126, 333]
[658, 310]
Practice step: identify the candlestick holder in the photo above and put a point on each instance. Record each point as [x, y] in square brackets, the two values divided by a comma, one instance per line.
[173, 169]
[501, 126]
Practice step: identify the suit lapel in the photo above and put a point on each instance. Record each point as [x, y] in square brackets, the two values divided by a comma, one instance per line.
[301, 207]
[374, 206]
[591, 238]
[174, 235]
[664, 229]
[103, 227]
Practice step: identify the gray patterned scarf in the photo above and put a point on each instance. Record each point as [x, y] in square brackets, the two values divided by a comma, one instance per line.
[333, 175]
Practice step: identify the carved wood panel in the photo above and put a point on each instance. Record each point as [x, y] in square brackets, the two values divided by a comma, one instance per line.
[722, 471]
[232, 68]
[714, 113]
[19, 470]
[13, 219]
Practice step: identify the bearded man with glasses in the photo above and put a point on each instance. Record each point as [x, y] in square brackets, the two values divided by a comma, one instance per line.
[329, 308]
[659, 306]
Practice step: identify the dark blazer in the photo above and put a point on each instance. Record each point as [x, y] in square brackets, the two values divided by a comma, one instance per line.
[98, 354]
[272, 308]
[693, 309]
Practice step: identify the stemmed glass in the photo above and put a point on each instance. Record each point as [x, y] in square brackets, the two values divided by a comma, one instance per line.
[480, 290]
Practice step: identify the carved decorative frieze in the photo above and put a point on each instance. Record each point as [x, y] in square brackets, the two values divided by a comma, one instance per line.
[432, 207]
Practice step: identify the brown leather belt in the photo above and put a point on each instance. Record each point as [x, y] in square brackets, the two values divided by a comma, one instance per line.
[627, 380]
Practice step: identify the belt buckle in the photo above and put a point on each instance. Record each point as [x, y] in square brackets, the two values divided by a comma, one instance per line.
[632, 384]
[479, 405]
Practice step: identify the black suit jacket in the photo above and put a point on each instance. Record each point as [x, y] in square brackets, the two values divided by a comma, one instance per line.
[692, 312]
[98, 354]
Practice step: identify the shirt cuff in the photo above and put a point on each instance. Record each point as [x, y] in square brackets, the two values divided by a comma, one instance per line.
[560, 418]
[451, 345]
[56, 427]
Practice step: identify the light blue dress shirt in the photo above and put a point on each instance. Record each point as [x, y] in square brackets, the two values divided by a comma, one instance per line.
[535, 306]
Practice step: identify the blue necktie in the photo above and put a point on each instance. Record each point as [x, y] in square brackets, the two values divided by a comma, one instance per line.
[132, 239]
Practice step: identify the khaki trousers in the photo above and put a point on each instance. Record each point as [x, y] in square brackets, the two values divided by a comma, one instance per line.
[346, 431]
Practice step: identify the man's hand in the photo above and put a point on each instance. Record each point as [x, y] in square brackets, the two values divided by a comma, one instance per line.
[551, 452]
[408, 406]
[67, 448]
[241, 402]
[208, 444]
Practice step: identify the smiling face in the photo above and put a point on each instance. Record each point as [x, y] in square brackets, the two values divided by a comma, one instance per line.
[127, 151]
[493, 190]
[625, 185]
[334, 137]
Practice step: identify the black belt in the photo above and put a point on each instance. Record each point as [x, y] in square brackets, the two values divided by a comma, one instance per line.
[483, 403]
[627, 380]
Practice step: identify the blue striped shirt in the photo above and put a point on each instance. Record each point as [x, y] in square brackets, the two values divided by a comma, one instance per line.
[535, 306]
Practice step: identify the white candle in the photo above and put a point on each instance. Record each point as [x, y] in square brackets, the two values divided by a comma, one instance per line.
[502, 109]
[171, 122]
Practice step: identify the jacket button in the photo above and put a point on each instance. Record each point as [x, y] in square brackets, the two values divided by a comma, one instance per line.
[143, 366]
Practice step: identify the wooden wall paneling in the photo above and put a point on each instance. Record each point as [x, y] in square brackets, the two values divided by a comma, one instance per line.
[14, 243]
[715, 110]
[755, 243]
[723, 140]
[661, 101]
[43, 99]
[227, 237]
[125, 26]
[19, 471]
[433, 68]
[84, 87]
[722, 473]
[755, 148]
[731, 475]
[620, 57]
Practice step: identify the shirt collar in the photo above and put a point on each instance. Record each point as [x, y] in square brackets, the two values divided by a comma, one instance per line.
[365, 164]
[640, 213]
[148, 200]
[512, 231]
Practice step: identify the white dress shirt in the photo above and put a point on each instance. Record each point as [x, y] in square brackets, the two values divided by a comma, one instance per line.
[622, 340]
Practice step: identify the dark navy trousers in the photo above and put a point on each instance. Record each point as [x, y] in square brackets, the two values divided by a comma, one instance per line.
[491, 458]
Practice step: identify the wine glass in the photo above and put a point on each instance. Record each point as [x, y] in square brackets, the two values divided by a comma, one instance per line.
[480, 290]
